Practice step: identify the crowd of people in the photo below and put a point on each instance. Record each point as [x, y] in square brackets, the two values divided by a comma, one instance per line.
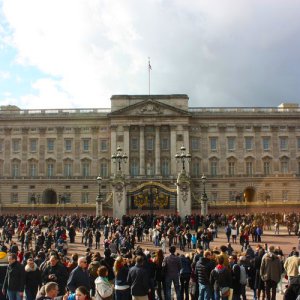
[35, 261]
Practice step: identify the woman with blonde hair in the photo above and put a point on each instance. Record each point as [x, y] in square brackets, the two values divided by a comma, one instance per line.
[122, 288]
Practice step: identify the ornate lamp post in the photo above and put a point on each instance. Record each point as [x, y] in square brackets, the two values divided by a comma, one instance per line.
[99, 200]
[204, 198]
[183, 157]
[119, 157]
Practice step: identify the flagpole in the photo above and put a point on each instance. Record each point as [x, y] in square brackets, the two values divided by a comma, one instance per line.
[149, 69]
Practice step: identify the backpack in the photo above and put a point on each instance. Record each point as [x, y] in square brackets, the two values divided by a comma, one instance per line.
[243, 275]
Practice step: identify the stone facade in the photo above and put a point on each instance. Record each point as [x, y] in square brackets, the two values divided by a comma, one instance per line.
[51, 158]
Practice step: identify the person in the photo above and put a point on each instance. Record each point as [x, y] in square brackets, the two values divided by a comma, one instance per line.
[138, 280]
[55, 271]
[185, 275]
[291, 265]
[33, 279]
[121, 269]
[221, 280]
[49, 291]
[258, 284]
[108, 262]
[79, 276]
[81, 293]
[172, 266]
[158, 259]
[270, 272]
[235, 273]
[104, 289]
[204, 266]
[14, 281]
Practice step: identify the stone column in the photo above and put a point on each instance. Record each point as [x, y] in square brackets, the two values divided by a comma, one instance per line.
[125, 167]
[157, 150]
[142, 150]
[113, 147]
[173, 150]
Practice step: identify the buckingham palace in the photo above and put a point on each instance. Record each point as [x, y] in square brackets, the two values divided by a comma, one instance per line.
[149, 153]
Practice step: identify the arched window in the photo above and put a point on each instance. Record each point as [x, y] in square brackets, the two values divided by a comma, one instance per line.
[213, 162]
[196, 167]
[284, 165]
[32, 168]
[85, 167]
[165, 167]
[134, 167]
[68, 168]
[15, 167]
[104, 168]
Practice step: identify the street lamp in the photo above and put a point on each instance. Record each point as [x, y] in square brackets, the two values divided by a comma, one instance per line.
[119, 157]
[182, 157]
[204, 198]
[99, 198]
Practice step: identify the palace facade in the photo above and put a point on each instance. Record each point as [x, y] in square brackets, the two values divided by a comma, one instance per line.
[50, 158]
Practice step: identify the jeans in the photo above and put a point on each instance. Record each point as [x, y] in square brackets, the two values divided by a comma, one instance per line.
[122, 294]
[271, 286]
[13, 295]
[184, 286]
[175, 281]
[205, 292]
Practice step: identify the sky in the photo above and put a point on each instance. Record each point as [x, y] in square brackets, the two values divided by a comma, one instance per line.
[78, 53]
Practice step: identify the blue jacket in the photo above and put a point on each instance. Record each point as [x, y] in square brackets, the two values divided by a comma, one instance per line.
[78, 277]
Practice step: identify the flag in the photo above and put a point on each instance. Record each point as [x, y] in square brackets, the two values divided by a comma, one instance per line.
[149, 66]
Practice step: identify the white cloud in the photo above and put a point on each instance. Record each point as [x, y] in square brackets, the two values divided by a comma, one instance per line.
[218, 52]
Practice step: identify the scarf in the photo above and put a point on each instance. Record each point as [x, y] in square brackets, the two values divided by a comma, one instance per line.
[29, 269]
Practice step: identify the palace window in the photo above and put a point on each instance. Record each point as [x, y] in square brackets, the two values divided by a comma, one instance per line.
[149, 144]
[285, 196]
[213, 167]
[15, 168]
[249, 143]
[86, 145]
[195, 144]
[68, 168]
[134, 167]
[249, 168]
[196, 168]
[1, 145]
[32, 169]
[14, 198]
[298, 143]
[134, 145]
[266, 143]
[103, 145]
[50, 145]
[231, 168]
[33, 145]
[284, 165]
[16, 145]
[213, 143]
[231, 143]
[103, 169]
[165, 144]
[68, 145]
[150, 168]
[283, 143]
[267, 167]
[85, 167]
[165, 167]
[50, 169]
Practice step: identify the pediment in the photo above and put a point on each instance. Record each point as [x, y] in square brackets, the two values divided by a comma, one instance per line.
[150, 108]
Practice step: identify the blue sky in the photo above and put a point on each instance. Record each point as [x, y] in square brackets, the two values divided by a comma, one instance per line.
[77, 53]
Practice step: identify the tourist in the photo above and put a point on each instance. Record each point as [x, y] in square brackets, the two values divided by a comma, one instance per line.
[14, 281]
[270, 272]
[138, 280]
[104, 288]
[33, 279]
[79, 276]
[221, 280]
[122, 288]
[172, 266]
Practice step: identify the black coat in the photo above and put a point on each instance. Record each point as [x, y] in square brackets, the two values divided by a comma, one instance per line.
[15, 277]
[61, 274]
[138, 280]
[33, 280]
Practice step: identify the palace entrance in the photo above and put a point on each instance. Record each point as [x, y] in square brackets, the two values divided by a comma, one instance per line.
[249, 194]
[49, 197]
[152, 196]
